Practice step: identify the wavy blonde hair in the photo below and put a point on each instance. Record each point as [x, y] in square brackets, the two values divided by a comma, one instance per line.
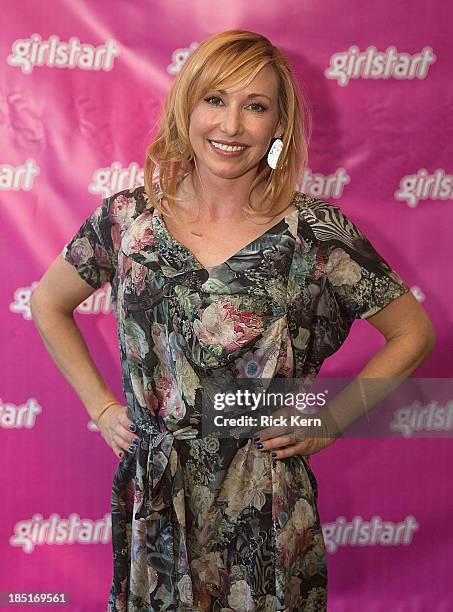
[228, 59]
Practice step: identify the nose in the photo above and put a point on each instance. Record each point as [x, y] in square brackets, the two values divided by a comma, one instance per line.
[231, 120]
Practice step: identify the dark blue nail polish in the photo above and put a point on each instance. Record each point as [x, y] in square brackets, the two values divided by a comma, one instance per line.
[259, 445]
[256, 438]
[131, 448]
[273, 455]
[132, 427]
[136, 441]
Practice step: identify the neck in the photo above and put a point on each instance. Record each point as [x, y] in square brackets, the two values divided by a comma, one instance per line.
[219, 199]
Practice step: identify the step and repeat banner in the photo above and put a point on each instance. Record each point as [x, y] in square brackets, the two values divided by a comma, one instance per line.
[81, 88]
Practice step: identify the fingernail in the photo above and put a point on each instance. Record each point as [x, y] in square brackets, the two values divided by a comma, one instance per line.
[136, 441]
[256, 438]
[131, 448]
[273, 455]
[120, 455]
[259, 446]
[132, 427]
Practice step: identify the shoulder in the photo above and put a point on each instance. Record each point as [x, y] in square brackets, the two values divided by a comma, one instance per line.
[312, 208]
[325, 221]
[124, 206]
[135, 195]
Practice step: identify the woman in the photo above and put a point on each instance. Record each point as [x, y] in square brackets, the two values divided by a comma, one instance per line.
[201, 522]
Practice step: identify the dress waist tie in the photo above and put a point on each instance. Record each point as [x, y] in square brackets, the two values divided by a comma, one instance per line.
[156, 469]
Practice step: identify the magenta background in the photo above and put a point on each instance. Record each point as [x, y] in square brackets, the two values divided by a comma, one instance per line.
[72, 122]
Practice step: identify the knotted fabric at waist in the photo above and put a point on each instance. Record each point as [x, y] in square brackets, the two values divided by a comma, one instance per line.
[157, 466]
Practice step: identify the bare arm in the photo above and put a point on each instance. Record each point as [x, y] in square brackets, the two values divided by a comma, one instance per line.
[53, 301]
[410, 338]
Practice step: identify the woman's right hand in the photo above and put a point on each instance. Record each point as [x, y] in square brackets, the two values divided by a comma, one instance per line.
[118, 430]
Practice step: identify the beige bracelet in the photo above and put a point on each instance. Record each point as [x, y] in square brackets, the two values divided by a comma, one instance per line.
[106, 407]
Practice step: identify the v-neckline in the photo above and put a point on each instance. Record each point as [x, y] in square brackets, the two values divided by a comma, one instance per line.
[198, 265]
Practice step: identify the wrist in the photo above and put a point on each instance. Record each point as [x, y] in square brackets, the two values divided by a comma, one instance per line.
[103, 411]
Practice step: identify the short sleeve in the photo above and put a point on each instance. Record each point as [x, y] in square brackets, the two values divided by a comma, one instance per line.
[362, 280]
[91, 251]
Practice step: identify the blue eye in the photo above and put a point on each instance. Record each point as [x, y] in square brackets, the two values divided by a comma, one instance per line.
[261, 108]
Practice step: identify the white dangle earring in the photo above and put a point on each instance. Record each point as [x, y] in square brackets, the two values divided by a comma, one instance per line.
[274, 153]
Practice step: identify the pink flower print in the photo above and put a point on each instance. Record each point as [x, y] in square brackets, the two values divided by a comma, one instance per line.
[124, 264]
[222, 324]
[170, 402]
[138, 497]
[151, 400]
[138, 275]
[102, 257]
[115, 234]
[122, 211]
[320, 265]
[163, 386]
[81, 251]
[139, 235]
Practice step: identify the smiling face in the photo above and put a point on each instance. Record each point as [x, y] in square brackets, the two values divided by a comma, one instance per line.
[235, 118]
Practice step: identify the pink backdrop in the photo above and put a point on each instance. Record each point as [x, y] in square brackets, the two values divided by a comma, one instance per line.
[81, 87]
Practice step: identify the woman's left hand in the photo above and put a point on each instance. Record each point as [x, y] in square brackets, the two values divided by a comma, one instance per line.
[289, 444]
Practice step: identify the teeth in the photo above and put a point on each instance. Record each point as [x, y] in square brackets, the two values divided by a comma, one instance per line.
[225, 147]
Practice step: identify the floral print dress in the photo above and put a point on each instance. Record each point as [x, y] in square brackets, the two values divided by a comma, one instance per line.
[201, 522]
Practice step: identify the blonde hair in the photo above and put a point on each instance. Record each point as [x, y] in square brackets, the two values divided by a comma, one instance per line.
[224, 60]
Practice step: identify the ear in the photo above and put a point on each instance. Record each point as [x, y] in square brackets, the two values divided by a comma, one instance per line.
[278, 131]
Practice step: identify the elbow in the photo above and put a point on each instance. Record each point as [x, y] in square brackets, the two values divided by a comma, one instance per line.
[42, 305]
[35, 298]
[430, 339]
[424, 339]
[427, 343]
[36, 303]
[419, 340]
[33, 304]
[426, 335]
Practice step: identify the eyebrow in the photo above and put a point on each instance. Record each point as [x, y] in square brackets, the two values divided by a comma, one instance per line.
[252, 95]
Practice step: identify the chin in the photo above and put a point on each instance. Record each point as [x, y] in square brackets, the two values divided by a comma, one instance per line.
[230, 173]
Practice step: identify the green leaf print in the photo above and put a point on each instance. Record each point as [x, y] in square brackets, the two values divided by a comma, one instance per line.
[214, 285]
[188, 299]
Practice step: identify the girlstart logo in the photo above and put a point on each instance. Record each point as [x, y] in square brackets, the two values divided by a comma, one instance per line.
[19, 416]
[99, 302]
[376, 532]
[425, 186]
[107, 181]
[179, 58]
[53, 53]
[56, 530]
[374, 64]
